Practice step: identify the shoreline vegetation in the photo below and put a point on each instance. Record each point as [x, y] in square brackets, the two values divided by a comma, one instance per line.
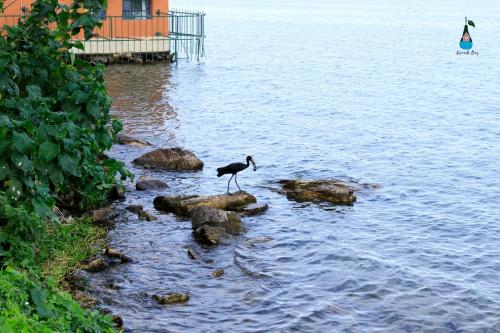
[54, 127]
[56, 183]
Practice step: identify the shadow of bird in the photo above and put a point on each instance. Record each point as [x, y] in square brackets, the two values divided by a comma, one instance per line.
[233, 169]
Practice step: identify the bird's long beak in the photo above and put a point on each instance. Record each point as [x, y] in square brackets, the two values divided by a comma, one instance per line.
[254, 166]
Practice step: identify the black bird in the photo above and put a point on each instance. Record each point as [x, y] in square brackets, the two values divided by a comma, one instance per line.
[233, 169]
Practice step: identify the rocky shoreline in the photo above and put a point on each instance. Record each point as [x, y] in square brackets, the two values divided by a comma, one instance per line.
[215, 219]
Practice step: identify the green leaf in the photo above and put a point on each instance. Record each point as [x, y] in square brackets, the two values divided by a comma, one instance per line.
[3, 132]
[39, 298]
[22, 142]
[14, 188]
[56, 177]
[4, 170]
[34, 92]
[80, 97]
[79, 45]
[51, 130]
[48, 151]
[5, 121]
[3, 146]
[471, 23]
[41, 207]
[21, 162]
[93, 109]
[69, 165]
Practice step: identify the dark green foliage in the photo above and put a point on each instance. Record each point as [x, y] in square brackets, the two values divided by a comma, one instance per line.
[54, 123]
[54, 111]
[28, 305]
[21, 232]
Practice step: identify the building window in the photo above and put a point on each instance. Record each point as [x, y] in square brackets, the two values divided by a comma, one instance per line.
[101, 15]
[137, 9]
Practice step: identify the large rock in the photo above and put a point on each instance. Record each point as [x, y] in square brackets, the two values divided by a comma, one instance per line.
[328, 190]
[182, 205]
[170, 159]
[103, 216]
[210, 235]
[204, 215]
[124, 139]
[211, 225]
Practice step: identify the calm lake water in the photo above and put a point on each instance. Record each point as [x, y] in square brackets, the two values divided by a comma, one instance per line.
[371, 92]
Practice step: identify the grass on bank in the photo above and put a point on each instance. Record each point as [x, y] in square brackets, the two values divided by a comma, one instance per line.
[68, 245]
[30, 297]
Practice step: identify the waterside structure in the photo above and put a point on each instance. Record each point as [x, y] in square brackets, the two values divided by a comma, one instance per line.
[134, 30]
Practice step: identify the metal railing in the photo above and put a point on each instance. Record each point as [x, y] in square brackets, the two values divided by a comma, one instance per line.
[178, 34]
[187, 31]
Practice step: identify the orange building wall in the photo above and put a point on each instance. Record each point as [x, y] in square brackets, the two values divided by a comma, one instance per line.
[113, 26]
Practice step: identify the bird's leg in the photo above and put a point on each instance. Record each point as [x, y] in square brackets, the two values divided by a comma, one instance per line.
[228, 183]
[236, 175]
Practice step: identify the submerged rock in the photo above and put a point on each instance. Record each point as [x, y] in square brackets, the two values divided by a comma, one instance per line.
[96, 265]
[112, 253]
[150, 184]
[192, 254]
[252, 209]
[124, 139]
[218, 273]
[183, 205]
[332, 191]
[205, 215]
[134, 208]
[143, 215]
[257, 240]
[171, 298]
[170, 159]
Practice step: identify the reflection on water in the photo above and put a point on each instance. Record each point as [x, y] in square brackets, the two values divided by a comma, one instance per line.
[145, 105]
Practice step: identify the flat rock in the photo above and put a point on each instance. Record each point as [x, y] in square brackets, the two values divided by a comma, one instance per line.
[150, 184]
[96, 265]
[171, 298]
[182, 205]
[103, 216]
[326, 190]
[170, 159]
[209, 216]
[124, 139]
[252, 209]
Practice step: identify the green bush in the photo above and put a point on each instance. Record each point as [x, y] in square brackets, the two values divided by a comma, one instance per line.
[30, 306]
[54, 126]
[21, 234]
[54, 111]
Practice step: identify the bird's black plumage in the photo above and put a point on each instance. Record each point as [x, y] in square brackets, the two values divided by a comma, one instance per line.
[233, 169]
